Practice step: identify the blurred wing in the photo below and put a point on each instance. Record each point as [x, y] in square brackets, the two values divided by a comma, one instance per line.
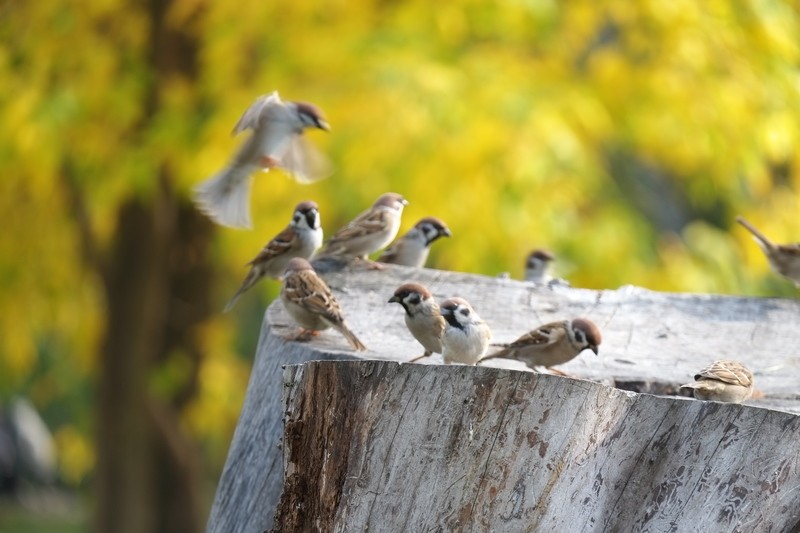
[304, 161]
[262, 108]
[279, 245]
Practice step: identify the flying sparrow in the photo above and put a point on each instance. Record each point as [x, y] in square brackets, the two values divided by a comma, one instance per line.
[537, 266]
[783, 258]
[368, 232]
[722, 381]
[423, 318]
[276, 141]
[552, 344]
[412, 248]
[465, 337]
[310, 302]
[300, 238]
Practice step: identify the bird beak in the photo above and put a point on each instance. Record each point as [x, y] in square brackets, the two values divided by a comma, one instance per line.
[394, 300]
[595, 349]
[446, 232]
[323, 125]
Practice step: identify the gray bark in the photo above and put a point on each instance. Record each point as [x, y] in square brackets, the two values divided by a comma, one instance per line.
[382, 447]
[652, 342]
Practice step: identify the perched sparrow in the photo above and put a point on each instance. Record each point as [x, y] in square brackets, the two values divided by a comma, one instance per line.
[553, 344]
[423, 318]
[310, 302]
[723, 381]
[300, 238]
[276, 142]
[783, 258]
[466, 337]
[537, 266]
[368, 232]
[412, 248]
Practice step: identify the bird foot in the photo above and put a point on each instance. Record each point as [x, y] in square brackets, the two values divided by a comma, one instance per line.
[304, 335]
[267, 162]
[369, 264]
[556, 372]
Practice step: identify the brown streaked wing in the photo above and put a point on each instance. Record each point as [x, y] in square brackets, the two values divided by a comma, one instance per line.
[317, 297]
[546, 334]
[366, 224]
[279, 245]
[727, 372]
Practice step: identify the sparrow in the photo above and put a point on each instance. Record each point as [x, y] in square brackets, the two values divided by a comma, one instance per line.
[276, 142]
[412, 248]
[537, 266]
[722, 381]
[465, 337]
[300, 238]
[552, 344]
[310, 302]
[368, 232]
[783, 258]
[423, 318]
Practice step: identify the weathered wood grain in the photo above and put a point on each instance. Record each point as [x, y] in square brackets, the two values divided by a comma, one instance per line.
[383, 447]
[651, 342]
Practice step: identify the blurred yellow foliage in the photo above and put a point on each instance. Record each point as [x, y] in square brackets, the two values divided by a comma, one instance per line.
[624, 136]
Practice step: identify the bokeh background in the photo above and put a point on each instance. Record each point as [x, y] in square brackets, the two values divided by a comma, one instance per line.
[623, 136]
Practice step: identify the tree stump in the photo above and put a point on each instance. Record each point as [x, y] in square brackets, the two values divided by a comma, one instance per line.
[378, 446]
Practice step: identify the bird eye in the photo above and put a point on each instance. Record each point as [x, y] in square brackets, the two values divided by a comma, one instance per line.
[413, 299]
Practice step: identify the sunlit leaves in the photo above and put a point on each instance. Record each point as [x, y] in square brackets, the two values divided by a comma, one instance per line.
[516, 121]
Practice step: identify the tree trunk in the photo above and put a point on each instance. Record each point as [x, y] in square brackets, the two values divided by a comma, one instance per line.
[158, 282]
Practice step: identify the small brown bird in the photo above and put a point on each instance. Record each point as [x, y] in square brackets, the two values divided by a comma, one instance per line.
[537, 266]
[277, 141]
[413, 247]
[300, 238]
[423, 318]
[783, 258]
[553, 344]
[722, 381]
[310, 302]
[466, 337]
[368, 232]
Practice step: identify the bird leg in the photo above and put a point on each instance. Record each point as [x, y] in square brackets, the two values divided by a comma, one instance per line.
[417, 358]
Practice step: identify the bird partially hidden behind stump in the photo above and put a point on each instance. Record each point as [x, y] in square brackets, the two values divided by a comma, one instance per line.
[552, 344]
[722, 381]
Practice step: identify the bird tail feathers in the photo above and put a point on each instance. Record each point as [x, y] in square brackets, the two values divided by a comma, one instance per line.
[351, 338]
[225, 197]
